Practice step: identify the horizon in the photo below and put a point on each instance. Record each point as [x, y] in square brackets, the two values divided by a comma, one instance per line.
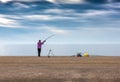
[60, 50]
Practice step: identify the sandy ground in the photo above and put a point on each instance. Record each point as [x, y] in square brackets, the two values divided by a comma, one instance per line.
[59, 69]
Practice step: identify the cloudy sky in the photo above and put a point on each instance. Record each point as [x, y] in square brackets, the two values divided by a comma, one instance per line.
[72, 21]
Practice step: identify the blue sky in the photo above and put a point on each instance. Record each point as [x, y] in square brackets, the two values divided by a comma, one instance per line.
[72, 21]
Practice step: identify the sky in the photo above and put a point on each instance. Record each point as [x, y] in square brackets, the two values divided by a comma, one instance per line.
[72, 21]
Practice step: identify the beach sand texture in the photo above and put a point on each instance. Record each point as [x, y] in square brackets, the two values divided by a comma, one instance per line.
[59, 69]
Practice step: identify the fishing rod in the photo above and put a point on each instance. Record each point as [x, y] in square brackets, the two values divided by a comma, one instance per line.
[50, 51]
[50, 36]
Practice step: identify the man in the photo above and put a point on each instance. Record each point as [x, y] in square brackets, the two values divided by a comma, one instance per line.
[39, 46]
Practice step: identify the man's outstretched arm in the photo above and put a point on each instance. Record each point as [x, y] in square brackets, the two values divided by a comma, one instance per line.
[43, 42]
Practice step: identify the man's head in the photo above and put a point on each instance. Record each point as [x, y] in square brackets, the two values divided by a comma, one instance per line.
[39, 40]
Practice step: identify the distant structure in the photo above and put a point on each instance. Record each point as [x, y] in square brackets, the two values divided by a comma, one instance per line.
[79, 55]
[86, 54]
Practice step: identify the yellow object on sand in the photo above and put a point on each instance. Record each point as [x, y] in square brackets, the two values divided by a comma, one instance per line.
[86, 54]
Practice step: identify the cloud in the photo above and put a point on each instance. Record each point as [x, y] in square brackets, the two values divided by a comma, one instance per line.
[53, 1]
[66, 1]
[91, 13]
[39, 17]
[21, 5]
[87, 18]
[7, 22]
[112, 5]
[109, 1]
[58, 31]
[59, 11]
[74, 15]
[53, 29]
[98, 17]
[104, 29]
[5, 1]
[46, 17]
[98, 12]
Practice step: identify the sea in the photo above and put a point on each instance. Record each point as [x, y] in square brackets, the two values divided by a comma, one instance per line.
[60, 49]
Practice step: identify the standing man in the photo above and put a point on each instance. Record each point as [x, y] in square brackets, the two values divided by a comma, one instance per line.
[39, 46]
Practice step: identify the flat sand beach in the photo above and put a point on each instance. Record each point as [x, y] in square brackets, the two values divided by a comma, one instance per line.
[59, 69]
